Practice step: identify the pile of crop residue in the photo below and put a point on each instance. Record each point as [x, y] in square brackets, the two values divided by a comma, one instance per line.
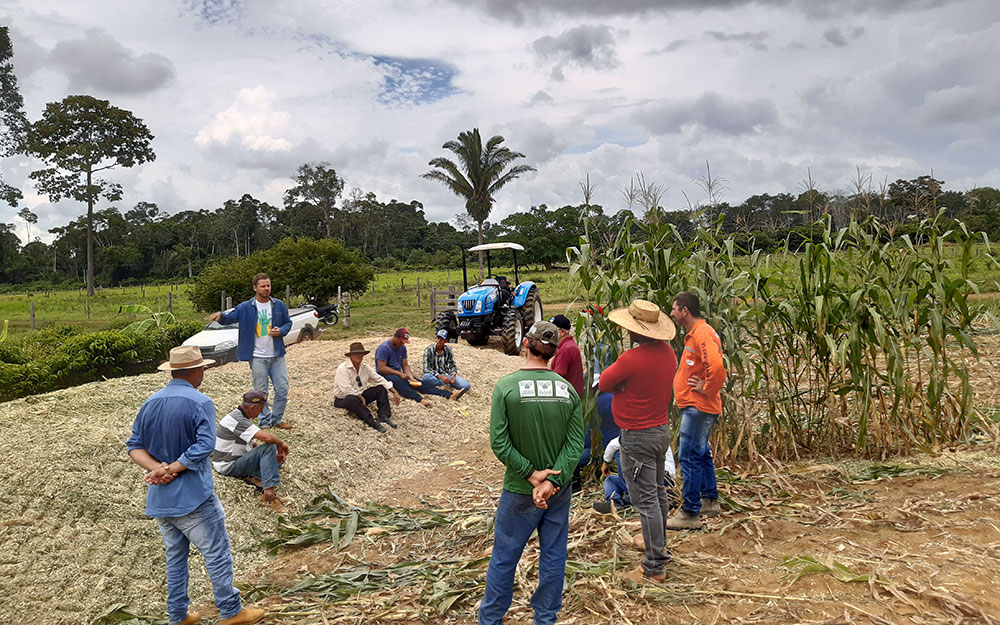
[75, 539]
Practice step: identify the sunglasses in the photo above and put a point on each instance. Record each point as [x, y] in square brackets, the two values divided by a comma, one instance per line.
[357, 379]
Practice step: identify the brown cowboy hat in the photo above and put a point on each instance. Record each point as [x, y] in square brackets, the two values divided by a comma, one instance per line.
[645, 318]
[185, 357]
[357, 348]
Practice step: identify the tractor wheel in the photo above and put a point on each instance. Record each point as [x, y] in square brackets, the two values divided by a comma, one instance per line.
[446, 321]
[478, 338]
[513, 333]
[532, 309]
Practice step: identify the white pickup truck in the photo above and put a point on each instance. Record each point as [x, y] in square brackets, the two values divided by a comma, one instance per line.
[218, 342]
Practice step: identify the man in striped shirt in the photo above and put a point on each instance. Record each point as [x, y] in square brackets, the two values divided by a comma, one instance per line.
[440, 367]
[235, 454]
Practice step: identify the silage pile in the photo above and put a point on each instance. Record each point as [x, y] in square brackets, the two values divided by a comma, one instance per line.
[75, 539]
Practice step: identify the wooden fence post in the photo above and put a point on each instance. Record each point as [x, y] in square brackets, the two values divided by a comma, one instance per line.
[418, 292]
[339, 299]
[229, 302]
[88, 307]
[32, 308]
[222, 300]
[288, 293]
[142, 290]
[402, 284]
[345, 313]
[170, 302]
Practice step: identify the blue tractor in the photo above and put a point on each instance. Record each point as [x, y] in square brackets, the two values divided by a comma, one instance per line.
[494, 307]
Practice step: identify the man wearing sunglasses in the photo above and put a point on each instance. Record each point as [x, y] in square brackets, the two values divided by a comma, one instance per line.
[352, 391]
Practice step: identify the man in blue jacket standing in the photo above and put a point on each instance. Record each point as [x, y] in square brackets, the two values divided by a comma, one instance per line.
[263, 321]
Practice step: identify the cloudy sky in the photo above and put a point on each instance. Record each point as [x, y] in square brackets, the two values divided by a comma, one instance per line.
[238, 93]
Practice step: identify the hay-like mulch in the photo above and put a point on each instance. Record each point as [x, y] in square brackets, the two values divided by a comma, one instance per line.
[75, 539]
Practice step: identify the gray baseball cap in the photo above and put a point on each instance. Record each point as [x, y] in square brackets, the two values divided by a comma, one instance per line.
[544, 331]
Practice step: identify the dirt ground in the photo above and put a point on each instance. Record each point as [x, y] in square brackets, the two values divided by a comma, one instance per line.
[919, 548]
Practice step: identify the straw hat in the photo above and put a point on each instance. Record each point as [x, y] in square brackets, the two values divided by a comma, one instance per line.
[357, 348]
[185, 357]
[644, 318]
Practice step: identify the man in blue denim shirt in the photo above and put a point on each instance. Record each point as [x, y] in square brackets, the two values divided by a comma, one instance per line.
[263, 321]
[172, 438]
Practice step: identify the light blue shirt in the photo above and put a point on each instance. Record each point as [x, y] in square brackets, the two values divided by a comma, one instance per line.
[177, 423]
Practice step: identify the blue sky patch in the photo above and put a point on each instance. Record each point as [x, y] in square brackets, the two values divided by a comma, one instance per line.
[414, 81]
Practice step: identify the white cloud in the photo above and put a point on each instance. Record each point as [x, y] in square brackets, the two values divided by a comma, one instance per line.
[250, 122]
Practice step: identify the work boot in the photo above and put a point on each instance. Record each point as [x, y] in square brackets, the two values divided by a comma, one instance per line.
[684, 520]
[388, 421]
[710, 507]
[604, 507]
[640, 576]
[284, 426]
[245, 617]
[193, 618]
[457, 394]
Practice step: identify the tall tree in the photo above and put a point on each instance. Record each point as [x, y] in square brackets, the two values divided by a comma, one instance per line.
[29, 218]
[319, 185]
[77, 138]
[481, 171]
[13, 123]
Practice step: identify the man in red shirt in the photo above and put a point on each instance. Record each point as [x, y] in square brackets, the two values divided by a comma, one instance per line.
[568, 362]
[642, 380]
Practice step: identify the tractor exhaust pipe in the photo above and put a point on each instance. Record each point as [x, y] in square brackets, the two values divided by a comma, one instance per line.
[465, 275]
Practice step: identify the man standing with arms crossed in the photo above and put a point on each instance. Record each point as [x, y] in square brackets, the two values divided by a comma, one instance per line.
[698, 390]
[263, 322]
[536, 431]
[641, 380]
[172, 438]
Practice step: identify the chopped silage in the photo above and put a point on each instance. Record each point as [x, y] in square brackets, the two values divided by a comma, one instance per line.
[75, 539]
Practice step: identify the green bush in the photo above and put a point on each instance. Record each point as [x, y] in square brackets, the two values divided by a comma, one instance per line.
[12, 354]
[73, 359]
[312, 268]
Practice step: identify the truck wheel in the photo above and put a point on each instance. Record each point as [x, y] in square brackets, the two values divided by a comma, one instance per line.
[447, 321]
[532, 309]
[305, 335]
[512, 334]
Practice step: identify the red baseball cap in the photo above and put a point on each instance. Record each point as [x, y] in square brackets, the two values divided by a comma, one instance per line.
[403, 334]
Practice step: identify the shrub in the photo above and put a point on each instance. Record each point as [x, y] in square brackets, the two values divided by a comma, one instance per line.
[312, 268]
[12, 354]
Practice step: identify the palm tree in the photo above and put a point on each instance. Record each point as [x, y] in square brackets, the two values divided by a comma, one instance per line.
[478, 175]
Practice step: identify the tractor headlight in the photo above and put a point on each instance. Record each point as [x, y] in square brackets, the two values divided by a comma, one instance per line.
[479, 306]
[492, 297]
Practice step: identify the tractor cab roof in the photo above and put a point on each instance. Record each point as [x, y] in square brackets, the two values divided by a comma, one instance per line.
[502, 245]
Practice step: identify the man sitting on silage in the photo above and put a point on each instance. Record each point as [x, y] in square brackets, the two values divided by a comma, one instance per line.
[235, 454]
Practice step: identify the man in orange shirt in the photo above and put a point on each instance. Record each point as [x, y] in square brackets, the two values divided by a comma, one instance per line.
[698, 392]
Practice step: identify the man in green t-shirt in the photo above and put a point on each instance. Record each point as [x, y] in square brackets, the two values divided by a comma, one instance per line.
[536, 430]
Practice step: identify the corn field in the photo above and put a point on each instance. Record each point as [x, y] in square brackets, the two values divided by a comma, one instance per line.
[853, 343]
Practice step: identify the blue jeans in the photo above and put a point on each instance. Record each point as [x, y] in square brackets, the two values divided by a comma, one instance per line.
[274, 368]
[517, 517]
[696, 458]
[461, 383]
[616, 490]
[205, 527]
[403, 388]
[261, 462]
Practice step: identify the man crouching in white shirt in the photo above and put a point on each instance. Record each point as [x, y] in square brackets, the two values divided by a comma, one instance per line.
[350, 392]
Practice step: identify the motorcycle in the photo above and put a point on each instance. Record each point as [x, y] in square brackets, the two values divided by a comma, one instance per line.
[328, 313]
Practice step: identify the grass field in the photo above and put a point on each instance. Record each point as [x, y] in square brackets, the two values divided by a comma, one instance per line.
[390, 304]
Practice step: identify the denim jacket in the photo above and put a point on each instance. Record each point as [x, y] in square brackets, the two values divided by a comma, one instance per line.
[246, 314]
